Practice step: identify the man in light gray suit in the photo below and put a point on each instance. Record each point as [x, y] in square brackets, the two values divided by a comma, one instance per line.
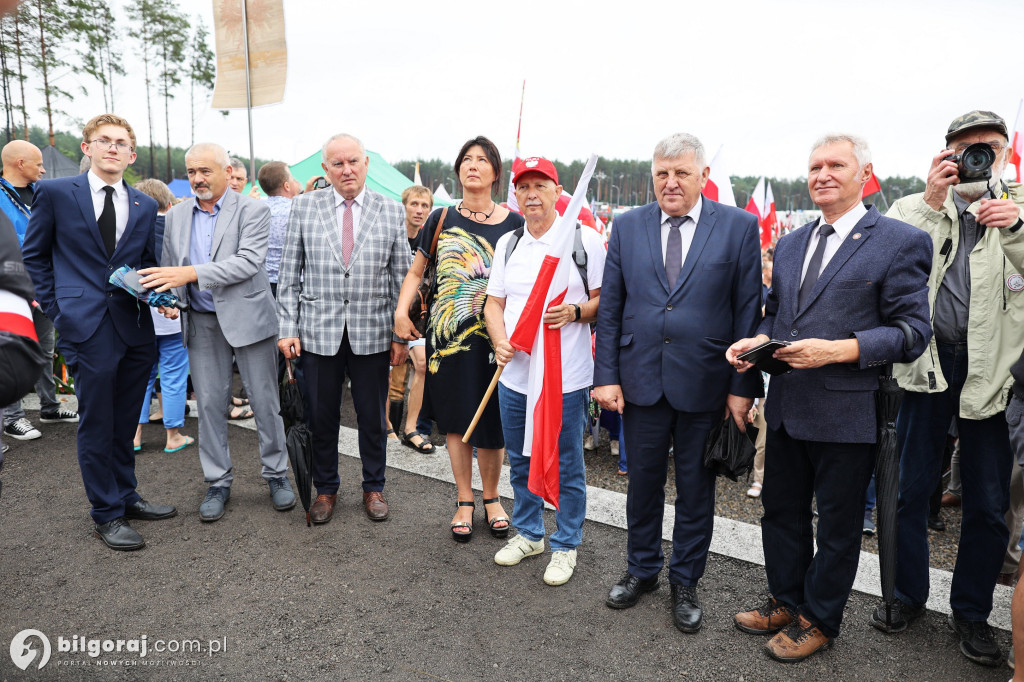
[345, 256]
[214, 248]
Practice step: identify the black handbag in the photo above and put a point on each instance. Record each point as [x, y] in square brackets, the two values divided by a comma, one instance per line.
[419, 309]
[728, 452]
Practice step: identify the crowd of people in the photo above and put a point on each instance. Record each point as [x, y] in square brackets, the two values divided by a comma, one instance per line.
[653, 325]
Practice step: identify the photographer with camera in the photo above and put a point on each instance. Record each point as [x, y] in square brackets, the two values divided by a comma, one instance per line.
[976, 295]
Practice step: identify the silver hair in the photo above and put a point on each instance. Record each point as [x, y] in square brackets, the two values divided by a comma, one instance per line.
[220, 154]
[340, 136]
[859, 144]
[680, 144]
[236, 162]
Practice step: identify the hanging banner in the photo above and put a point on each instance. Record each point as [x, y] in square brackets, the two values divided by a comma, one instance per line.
[268, 53]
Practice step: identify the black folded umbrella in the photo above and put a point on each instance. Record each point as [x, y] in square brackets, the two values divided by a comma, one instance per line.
[887, 484]
[297, 439]
[729, 452]
[887, 473]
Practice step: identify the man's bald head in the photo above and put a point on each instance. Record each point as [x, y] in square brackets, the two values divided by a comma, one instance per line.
[22, 163]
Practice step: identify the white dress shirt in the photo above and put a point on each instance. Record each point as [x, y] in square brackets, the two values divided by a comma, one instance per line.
[357, 210]
[842, 228]
[686, 230]
[96, 185]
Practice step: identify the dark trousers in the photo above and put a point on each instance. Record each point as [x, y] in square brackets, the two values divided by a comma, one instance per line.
[325, 380]
[795, 472]
[110, 383]
[985, 466]
[649, 430]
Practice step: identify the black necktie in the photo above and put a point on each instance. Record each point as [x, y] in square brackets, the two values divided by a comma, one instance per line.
[814, 267]
[108, 222]
[674, 250]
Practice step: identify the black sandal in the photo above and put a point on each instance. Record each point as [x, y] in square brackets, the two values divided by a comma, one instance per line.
[491, 520]
[425, 446]
[463, 537]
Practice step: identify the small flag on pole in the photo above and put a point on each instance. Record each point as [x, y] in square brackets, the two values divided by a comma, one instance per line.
[719, 186]
[871, 186]
[1017, 139]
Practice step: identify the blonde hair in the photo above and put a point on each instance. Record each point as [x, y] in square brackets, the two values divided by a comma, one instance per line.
[103, 120]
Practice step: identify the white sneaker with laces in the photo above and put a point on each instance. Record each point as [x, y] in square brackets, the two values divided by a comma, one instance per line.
[22, 430]
[560, 568]
[517, 549]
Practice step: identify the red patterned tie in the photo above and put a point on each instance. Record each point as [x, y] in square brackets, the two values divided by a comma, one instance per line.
[348, 239]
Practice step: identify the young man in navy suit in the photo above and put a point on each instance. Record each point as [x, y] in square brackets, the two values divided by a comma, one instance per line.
[681, 280]
[82, 229]
[839, 285]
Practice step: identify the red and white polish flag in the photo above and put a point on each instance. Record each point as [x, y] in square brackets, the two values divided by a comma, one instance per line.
[719, 186]
[1017, 140]
[16, 315]
[544, 346]
[769, 223]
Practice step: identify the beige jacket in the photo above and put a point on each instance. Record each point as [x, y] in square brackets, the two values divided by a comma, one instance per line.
[995, 335]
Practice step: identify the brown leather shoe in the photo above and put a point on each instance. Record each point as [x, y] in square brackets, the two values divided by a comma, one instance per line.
[322, 509]
[1007, 579]
[771, 617]
[950, 500]
[376, 506]
[797, 642]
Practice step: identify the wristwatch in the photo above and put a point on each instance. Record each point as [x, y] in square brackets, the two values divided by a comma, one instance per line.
[578, 312]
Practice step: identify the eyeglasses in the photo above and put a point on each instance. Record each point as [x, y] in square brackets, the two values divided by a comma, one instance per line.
[996, 147]
[103, 144]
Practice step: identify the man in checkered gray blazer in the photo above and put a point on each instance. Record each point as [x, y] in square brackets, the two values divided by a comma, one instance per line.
[345, 257]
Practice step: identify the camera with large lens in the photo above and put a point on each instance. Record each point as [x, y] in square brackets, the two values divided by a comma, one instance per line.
[974, 163]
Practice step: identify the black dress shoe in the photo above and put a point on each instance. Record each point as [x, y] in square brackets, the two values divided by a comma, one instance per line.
[117, 534]
[627, 591]
[936, 523]
[686, 612]
[149, 512]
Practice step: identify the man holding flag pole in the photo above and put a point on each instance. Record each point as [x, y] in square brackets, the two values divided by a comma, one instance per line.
[545, 284]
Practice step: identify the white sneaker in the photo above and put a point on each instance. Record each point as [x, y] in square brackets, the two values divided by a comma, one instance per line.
[588, 442]
[615, 448]
[755, 490]
[22, 430]
[517, 549]
[560, 568]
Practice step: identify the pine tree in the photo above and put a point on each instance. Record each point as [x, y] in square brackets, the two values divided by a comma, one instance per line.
[204, 67]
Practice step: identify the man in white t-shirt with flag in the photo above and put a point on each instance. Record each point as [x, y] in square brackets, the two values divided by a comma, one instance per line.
[537, 288]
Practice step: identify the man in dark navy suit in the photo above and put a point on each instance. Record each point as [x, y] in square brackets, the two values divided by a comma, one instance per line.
[839, 287]
[681, 280]
[83, 228]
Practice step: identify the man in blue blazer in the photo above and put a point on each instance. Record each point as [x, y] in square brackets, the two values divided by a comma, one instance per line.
[83, 228]
[682, 279]
[839, 285]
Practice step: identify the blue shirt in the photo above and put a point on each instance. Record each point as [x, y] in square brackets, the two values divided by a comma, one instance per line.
[199, 249]
[15, 209]
[280, 208]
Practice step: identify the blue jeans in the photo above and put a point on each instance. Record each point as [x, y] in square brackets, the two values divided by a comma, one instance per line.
[172, 367]
[985, 464]
[528, 512]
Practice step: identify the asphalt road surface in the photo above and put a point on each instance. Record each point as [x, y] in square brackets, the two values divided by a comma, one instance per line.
[258, 595]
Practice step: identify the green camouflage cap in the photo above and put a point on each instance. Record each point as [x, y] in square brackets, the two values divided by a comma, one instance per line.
[975, 119]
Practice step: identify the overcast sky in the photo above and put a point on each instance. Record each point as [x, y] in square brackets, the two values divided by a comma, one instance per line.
[415, 79]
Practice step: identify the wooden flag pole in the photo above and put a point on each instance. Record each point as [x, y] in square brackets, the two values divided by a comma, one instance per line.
[483, 404]
[248, 93]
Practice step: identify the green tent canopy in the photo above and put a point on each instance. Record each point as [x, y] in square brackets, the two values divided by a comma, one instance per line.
[381, 176]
